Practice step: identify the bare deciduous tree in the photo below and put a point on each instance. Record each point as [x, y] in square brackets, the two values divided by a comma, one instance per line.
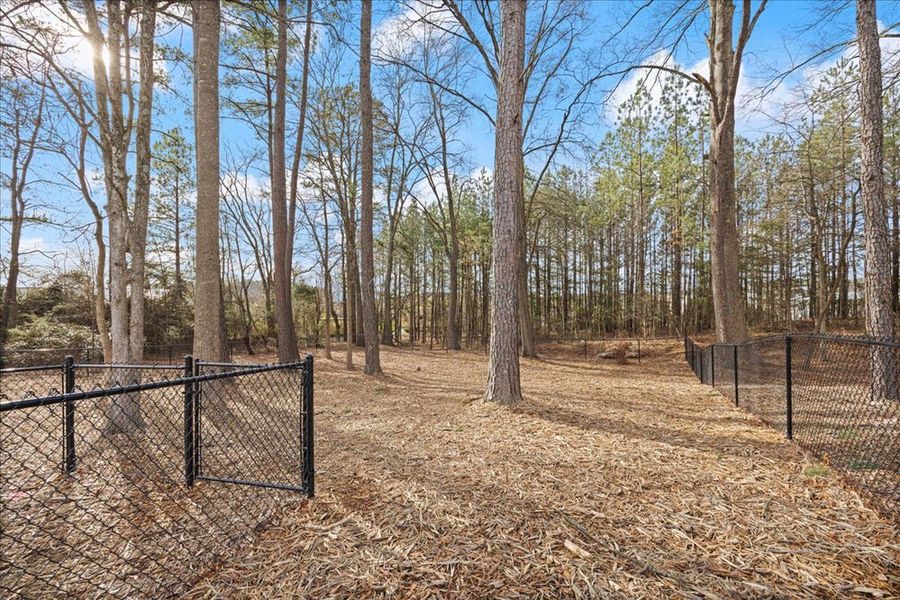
[24, 114]
[724, 72]
[127, 228]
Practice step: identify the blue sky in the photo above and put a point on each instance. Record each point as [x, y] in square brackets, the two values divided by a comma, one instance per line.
[783, 35]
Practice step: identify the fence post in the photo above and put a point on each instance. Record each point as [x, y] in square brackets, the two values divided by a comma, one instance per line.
[69, 416]
[198, 418]
[699, 371]
[698, 358]
[736, 388]
[309, 471]
[789, 392]
[189, 438]
[702, 367]
[693, 359]
[712, 364]
[639, 350]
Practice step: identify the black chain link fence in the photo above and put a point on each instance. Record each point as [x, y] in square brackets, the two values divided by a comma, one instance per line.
[132, 480]
[13, 356]
[838, 397]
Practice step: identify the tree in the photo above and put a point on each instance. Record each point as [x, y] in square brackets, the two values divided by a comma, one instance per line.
[335, 140]
[366, 241]
[444, 116]
[209, 317]
[24, 114]
[879, 320]
[724, 72]
[553, 69]
[503, 385]
[298, 147]
[284, 308]
[398, 173]
[721, 84]
[173, 180]
[127, 227]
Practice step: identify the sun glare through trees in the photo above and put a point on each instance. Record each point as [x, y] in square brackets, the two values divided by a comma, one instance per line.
[449, 298]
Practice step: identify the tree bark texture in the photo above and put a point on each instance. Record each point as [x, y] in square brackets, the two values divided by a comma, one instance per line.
[209, 342]
[366, 242]
[879, 320]
[503, 384]
[284, 307]
[724, 70]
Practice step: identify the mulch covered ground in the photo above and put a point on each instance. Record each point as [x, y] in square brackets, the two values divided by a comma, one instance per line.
[610, 480]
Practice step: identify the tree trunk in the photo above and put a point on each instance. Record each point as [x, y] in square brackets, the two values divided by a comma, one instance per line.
[125, 235]
[284, 308]
[387, 325]
[366, 241]
[879, 321]
[724, 71]
[453, 300]
[350, 291]
[99, 291]
[137, 236]
[326, 276]
[9, 309]
[209, 342]
[298, 148]
[22, 153]
[526, 324]
[503, 385]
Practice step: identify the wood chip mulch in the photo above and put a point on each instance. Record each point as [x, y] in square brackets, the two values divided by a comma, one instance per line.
[622, 481]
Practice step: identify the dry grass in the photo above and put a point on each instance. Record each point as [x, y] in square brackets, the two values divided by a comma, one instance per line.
[609, 481]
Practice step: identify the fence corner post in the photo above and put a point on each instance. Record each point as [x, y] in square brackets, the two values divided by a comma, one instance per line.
[189, 438]
[736, 386]
[69, 416]
[712, 364]
[309, 471]
[788, 387]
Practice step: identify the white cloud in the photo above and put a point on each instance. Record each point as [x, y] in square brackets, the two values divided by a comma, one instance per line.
[753, 109]
[247, 185]
[483, 171]
[789, 93]
[35, 244]
[656, 79]
[399, 36]
[890, 60]
[422, 192]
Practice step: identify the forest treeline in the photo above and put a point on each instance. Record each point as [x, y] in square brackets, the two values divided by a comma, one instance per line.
[351, 208]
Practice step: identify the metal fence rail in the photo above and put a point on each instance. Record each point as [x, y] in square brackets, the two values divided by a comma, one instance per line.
[14, 356]
[129, 480]
[838, 397]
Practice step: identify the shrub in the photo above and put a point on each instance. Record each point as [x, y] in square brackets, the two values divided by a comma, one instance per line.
[44, 332]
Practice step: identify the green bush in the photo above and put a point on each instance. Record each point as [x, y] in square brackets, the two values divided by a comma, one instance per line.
[43, 332]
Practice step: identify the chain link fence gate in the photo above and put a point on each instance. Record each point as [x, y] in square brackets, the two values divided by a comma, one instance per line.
[838, 397]
[131, 480]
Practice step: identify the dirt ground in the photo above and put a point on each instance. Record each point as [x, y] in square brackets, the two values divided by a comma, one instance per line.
[625, 481]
